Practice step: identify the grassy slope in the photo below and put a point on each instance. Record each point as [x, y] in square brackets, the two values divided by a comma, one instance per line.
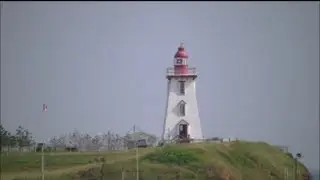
[233, 161]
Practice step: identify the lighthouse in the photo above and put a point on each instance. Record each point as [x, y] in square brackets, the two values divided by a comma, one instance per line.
[182, 120]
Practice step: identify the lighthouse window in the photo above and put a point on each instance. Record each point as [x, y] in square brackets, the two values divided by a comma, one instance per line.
[182, 109]
[182, 87]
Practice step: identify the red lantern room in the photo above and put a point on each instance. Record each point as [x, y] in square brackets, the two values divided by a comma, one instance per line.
[181, 53]
[180, 61]
[180, 65]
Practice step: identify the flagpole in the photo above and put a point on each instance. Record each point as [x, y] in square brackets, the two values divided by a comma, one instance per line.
[44, 109]
[42, 162]
[137, 159]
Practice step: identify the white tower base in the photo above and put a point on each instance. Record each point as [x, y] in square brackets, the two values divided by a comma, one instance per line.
[175, 121]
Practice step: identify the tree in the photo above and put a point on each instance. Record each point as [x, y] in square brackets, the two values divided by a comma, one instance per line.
[96, 142]
[23, 137]
[11, 142]
[54, 142]
[3, 137]
[87, 142]
[7, 139]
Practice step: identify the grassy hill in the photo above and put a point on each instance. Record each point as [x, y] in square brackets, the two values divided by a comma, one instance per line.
[225, 161]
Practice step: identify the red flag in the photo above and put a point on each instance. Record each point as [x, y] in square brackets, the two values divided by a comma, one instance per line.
[45, 108]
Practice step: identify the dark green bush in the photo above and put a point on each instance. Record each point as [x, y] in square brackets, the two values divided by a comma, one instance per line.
[170, 155]
[290, 155]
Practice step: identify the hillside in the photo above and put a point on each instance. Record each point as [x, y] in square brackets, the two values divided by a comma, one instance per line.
[227, 161]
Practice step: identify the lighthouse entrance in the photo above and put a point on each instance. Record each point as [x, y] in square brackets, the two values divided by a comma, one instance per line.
[183, 131]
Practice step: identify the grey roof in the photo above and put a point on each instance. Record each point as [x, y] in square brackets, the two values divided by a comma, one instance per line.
[140, 135]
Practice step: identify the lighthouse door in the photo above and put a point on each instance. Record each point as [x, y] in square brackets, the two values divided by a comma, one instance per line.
[183, 131]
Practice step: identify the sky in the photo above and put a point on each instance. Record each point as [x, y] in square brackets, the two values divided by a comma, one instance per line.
[100, 66]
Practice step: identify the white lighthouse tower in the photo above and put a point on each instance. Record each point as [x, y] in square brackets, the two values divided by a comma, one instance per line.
[182, 121]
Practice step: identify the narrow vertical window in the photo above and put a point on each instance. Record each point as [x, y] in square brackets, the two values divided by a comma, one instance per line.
[182, 109]
[182, 87]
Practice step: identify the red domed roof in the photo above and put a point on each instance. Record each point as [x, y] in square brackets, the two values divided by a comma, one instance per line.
[181, 53]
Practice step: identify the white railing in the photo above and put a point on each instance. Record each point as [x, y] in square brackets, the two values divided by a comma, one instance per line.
[172, 72]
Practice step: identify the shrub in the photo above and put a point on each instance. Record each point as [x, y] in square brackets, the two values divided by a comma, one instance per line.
[173, 156]
[290, 155]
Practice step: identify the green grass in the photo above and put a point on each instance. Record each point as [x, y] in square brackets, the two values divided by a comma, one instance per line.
[228, 161]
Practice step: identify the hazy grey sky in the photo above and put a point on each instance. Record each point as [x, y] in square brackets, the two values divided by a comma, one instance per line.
[101, 66]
